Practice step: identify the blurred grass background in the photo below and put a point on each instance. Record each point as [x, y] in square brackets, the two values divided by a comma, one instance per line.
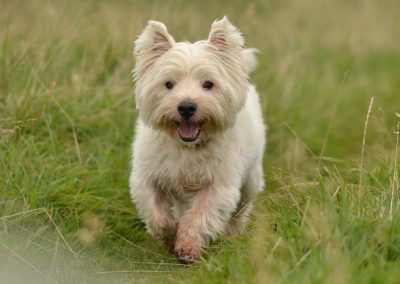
[330, 211]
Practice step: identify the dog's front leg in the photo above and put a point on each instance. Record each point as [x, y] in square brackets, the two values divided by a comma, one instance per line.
[211, 210]
[154, 207]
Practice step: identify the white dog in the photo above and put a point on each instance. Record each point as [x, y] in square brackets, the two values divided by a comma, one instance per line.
[198, 151]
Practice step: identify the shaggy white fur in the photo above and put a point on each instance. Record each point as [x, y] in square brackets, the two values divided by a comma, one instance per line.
[200, 136]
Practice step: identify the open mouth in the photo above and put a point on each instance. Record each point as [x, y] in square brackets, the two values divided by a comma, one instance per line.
[188, 130]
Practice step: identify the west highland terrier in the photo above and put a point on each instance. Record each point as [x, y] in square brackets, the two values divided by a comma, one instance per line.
[198, 150]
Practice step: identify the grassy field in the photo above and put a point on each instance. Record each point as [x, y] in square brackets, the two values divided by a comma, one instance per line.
[329, 75]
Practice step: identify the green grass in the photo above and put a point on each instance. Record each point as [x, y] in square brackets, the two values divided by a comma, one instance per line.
[330, 211]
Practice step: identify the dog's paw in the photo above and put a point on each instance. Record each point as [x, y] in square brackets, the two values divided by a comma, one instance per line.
[187, 252]
[188, 256]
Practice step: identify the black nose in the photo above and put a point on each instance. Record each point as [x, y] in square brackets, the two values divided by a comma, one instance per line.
[187, 109]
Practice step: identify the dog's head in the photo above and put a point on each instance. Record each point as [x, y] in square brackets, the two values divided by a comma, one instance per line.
[191, 90]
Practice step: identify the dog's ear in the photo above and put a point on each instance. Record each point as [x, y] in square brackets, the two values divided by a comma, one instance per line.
[224, 35]
[151, 44]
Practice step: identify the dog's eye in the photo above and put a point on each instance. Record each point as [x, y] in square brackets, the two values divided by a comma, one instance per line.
[208, 85]
[169, 85]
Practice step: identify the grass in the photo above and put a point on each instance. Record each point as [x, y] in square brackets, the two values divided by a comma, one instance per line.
[330, 211]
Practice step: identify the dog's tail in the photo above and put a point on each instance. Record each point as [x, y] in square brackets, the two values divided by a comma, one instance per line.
[250, 59]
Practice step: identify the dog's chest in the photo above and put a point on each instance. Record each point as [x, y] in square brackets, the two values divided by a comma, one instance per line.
[185, 174]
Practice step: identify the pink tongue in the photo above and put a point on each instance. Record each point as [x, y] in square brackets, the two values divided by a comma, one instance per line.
[188, 129]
